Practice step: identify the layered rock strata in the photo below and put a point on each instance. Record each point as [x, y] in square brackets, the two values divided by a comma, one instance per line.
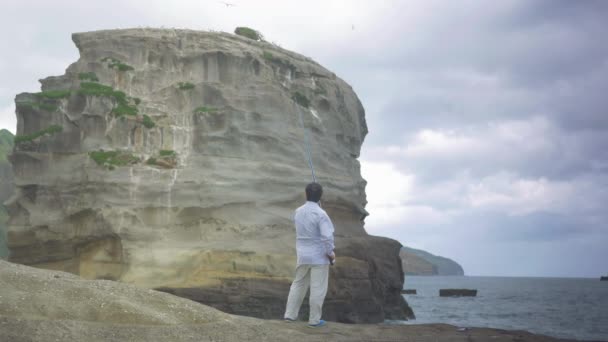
[174, 159]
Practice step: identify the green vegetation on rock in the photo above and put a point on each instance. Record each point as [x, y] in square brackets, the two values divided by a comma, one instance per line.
[117, 64]
[88, 76]
[169, 153]
[248, 33]
[204, 109]
[96, 89]
[301, 99]
[53, 94]
[148, 122]
[270, 57]
[29, 137]
[124, 109]
[124, 106]
[113, 158]
[185, 86]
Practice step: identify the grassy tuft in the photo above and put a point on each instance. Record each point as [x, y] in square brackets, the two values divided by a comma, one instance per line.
[29, 137]
[269, 56]
[167, 153]
[88, 76]
[301, 99]
[121, 66]
[185, 86]
[111, 159]
[124, 107]
[96, 89]
[53, 94]
[248, 33]
[120, 96]
[148, 122]
[114, 63]
[204, 109]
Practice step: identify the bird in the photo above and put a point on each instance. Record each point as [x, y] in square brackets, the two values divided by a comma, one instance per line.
[227, 4]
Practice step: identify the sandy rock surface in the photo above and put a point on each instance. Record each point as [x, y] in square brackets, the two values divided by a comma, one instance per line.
[43, 305]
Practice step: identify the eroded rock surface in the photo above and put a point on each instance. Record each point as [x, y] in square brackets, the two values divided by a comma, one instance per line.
[43, 305]
[6, 184]
[174, 159]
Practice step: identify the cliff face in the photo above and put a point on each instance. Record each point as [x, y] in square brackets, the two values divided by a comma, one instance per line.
[174, 159]
[6, 185]
[419, 262]
[413, 264]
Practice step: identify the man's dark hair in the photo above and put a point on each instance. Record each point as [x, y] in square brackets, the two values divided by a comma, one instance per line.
[314, 192]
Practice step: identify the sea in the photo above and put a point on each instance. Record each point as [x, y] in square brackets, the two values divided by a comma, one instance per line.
[574, 308]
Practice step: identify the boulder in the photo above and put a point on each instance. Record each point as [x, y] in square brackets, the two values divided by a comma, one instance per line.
[174, 159]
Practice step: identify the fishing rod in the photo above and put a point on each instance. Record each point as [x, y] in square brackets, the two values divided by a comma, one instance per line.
[307, 143]
[312, 168]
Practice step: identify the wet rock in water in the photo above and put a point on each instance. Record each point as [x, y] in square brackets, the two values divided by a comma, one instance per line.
[408, 291]
[457, 293]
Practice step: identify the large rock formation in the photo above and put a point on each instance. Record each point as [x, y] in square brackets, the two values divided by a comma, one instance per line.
[174, 159]
[6, 184]
[419, 262]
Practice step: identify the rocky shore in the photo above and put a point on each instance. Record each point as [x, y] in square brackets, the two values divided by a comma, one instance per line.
[44, 305]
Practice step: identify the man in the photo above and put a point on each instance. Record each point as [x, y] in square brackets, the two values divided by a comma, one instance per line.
[315, 250]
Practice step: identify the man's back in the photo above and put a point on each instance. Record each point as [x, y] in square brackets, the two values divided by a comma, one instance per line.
[315, 247]
[314, 234]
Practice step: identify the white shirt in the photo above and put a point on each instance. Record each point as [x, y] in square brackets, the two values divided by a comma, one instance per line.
[314, 234]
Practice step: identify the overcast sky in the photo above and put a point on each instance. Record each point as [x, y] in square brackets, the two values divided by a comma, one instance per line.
[488, 120]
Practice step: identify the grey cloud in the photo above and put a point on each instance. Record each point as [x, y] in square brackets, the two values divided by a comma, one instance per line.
[538, 226]
[528, 245]
[453, 66]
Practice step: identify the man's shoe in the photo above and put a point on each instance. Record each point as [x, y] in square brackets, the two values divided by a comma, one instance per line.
[289, 320]
[318, 325]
